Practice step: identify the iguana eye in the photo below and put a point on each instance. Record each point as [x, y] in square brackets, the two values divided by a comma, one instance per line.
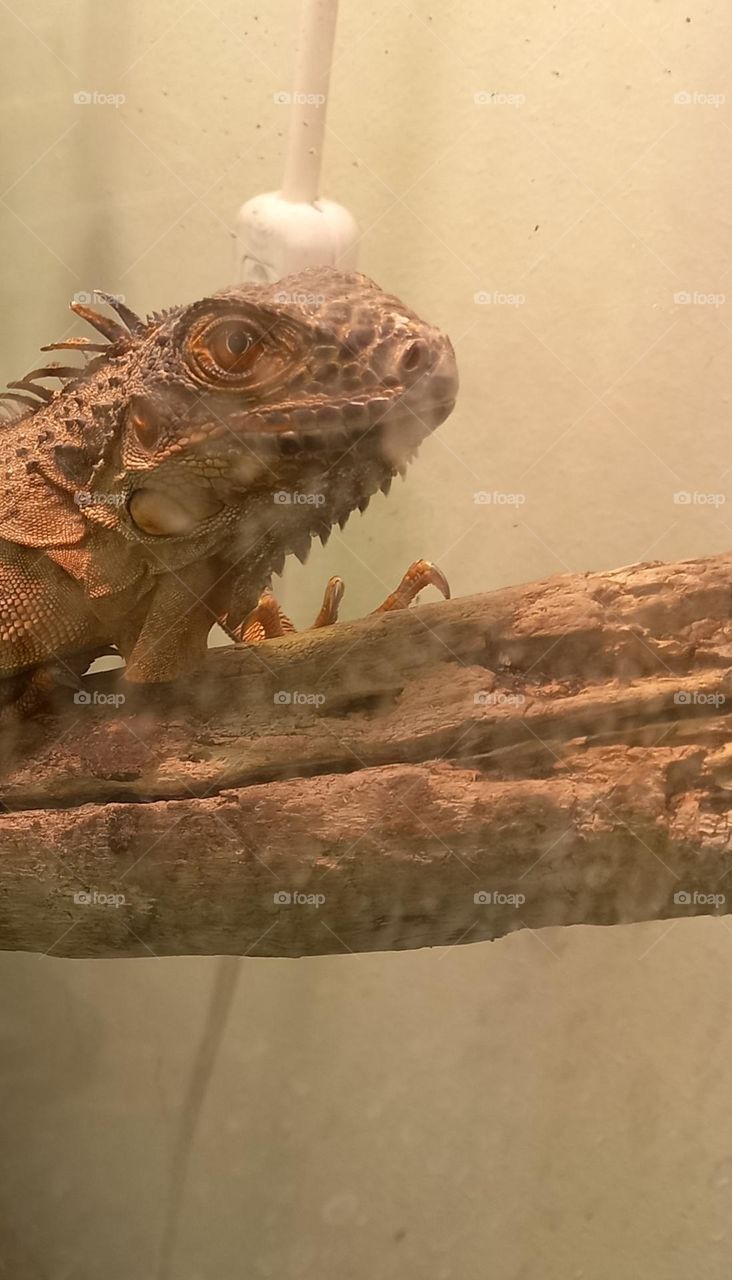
[226, 350]
[231, 346]
[240, 348]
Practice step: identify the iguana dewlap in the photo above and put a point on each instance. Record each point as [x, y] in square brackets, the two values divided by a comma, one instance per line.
[159, 488]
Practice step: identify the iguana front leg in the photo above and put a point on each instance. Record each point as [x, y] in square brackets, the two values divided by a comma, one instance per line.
[171, 640]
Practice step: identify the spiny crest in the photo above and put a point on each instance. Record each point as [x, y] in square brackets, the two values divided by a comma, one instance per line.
[32, 397]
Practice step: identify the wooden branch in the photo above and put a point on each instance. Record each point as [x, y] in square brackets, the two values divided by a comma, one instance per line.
[550, 754]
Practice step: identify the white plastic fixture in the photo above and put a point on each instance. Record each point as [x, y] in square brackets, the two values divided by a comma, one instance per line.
[283, 231]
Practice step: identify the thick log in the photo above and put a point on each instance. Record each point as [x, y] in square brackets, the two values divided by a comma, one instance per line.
[551, 754]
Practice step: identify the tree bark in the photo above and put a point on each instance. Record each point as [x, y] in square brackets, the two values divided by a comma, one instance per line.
[550, 754]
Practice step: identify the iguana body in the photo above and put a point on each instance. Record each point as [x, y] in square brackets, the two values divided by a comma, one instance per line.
[160, 487]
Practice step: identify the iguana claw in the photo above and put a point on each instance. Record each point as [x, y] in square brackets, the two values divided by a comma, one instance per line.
[267, 620]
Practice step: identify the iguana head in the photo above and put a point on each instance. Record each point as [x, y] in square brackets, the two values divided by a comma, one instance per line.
[262, 414]
[319, 384]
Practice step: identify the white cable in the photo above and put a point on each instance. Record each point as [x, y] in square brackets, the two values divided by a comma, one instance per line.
[316, 37]
[283, 231]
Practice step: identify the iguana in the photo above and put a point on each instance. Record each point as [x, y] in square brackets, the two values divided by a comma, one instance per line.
[160, 486]
[157, 488]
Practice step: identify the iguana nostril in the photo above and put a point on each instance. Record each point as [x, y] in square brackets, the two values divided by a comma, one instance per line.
[415, 357]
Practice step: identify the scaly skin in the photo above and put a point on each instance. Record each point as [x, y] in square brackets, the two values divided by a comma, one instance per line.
[143, 500]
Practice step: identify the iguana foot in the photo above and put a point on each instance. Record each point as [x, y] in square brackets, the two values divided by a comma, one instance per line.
[267, 620]
[53, 685]
[419, 575]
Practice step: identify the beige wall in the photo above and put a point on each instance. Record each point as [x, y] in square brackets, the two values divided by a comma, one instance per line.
[550, 1107]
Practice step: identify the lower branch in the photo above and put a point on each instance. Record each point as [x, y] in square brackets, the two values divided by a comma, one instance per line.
[550, 754]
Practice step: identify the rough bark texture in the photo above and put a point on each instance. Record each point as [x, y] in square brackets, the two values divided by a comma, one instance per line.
[550, 754]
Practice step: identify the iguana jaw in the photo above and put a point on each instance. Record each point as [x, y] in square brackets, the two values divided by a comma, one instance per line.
[392, 421]
[337, 452]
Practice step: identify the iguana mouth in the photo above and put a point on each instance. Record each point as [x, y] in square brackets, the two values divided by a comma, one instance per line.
[323, 425]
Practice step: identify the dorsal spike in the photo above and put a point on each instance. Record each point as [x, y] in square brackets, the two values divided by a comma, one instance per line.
[134, 323]
[103, 324]
[62, 371]
[24, 384]
[76, 344]
[16, 395]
